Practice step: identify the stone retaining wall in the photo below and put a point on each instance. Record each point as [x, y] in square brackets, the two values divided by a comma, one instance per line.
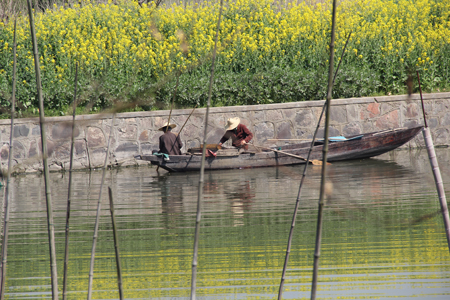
[136, 133]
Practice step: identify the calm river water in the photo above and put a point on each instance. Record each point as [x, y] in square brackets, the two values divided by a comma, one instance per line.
[383, 234]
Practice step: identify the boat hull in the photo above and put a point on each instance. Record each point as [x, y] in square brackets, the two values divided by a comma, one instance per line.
[364, 146]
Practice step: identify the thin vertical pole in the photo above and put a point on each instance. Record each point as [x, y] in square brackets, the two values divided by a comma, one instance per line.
[69, 193]
[324, 158]
[297, 202]
[436, 171]
[116, 244]
[10, 156]
[51, 226]
[97, 219]
[202, 167]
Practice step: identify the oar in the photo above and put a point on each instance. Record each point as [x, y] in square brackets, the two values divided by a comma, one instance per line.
[314, 161]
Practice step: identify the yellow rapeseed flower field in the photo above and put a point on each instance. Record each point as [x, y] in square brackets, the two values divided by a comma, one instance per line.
[125, 50]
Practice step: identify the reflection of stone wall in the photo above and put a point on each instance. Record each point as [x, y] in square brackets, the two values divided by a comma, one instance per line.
[137, 133]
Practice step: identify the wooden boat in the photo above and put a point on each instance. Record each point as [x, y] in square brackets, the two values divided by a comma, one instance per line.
[353, 147]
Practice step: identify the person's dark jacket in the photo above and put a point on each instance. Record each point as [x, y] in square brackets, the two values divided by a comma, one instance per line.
[170, 143]
[237, 135]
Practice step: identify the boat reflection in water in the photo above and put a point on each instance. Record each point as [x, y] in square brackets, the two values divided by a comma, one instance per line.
[381, 239]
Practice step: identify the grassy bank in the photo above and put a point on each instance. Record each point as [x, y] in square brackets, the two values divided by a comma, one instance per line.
[269, 52]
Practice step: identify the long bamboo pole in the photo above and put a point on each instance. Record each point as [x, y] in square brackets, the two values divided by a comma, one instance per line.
[69, 193]
[97, 219]
[116, 244]
[436, 171]
[297, 202]
[202, 166]
[325, 153]
[51, 226]
[179, 132]
[187, 119]
[4, 253]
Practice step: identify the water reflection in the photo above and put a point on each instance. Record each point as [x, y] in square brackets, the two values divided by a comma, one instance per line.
[382, 235]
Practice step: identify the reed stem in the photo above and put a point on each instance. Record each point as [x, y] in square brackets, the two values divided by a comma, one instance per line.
[97, 219]
[51, 226]
[116, 244]
[436, 171]
[324, 159]
[4, 252]
[297, 202]
[69, 193]
[202, 166]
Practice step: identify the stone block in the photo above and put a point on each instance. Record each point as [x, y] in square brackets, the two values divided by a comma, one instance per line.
[50, 147]
[129, 147]
[411, 124]
[441, 137]
[145, 123]
[263, 131]
[445, 121]
[274, 115]
[18, 150]
[412, 110]
[64, 131]
[192, 131]
[373, 109]
[62, 151]
[80, 147]
[36, 130]
[144, 136]
[127, 132]
[284, 130]
[289, 113]
[95, 137]
[304, 118]
[352, 129]
[214, 136]
[4, 152]
[21, 131]
[259, 115]
[33, 150]
[432, 123]
[353, 113]
[338, 114]
[388, 121]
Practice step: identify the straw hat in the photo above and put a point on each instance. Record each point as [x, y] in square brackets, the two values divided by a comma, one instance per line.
[172, 126]
[232, 123]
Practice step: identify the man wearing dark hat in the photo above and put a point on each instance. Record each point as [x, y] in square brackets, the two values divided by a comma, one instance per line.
[169, 143]
[239, 133]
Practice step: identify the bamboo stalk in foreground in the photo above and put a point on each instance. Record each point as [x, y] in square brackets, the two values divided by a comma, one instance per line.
[202, 167]
[97, 219]
[116, 244]
[324, 165]
[51, 226]
[4, 252]
[436, 171]
[69, 193]
[297, 202]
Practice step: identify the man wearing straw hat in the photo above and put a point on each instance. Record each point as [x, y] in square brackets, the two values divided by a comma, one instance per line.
[169, 143]
[239, 133]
